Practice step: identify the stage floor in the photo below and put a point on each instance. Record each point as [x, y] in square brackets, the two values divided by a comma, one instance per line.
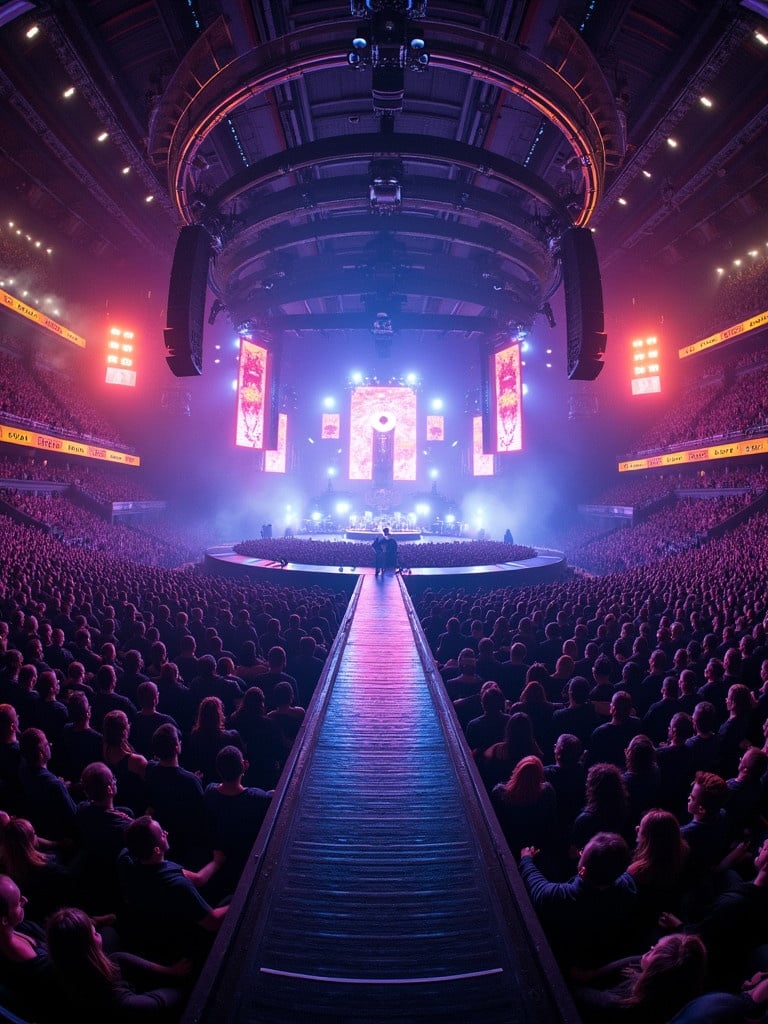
[545, 559]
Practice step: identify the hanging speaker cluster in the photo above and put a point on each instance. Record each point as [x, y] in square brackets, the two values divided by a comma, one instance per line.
[585, 326]
[186, 302]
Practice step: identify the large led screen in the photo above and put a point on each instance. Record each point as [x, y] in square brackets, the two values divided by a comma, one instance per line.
[251, 395]
[274, 461]
[382, 410]
[482, 464]
[508, 418]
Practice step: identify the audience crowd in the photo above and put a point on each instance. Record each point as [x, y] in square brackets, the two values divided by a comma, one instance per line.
[620, 725]
[741, 294]
[714, 408]
[639, 490]
[618, 719]
[598, 710]
[24, 265]
[429, 554]
[77, 527]
[680, 524]
[145, 717]
[50, 400]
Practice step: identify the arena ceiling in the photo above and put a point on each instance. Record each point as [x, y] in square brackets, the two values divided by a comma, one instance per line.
[426, 176]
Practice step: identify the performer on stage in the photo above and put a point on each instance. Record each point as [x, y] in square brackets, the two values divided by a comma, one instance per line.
[385, 547]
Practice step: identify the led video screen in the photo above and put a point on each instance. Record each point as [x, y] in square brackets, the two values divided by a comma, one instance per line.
[507, 414]
[252, 390]
[382, 410]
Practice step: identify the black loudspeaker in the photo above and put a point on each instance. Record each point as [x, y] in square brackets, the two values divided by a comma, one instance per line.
[585, 326]
[186, 302]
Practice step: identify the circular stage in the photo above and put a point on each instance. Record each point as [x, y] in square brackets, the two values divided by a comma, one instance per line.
[545, 566]
[371, 535]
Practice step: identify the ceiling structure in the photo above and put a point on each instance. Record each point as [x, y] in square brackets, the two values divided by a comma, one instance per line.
[386, 165]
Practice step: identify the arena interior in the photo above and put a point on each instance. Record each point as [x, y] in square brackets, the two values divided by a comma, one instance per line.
[384, 511]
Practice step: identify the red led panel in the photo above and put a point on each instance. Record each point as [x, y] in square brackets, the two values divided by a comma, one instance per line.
[251, 395]
[506, 391]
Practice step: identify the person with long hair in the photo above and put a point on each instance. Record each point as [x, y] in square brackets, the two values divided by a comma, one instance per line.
[642, 777]
[649, 989]
[659, 865]
[128, 767]
[40, 875]
[95, 987]
[535, 703]
[606, 807]
[24, 964]
[498, 762]
[526, 806]
[207, 737]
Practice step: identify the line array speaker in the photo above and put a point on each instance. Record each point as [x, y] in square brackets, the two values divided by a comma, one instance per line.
[585, 326]
[186, 302]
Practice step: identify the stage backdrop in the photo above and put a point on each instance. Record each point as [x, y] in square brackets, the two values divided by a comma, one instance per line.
[377, 411]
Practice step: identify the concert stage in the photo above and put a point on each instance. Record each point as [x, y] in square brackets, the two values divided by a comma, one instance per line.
[371, 535]
[547, 566]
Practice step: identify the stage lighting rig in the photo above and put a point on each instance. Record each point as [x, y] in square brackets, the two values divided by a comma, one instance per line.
[388, 46]
[365, 8]
[382, 331]
[385, 189]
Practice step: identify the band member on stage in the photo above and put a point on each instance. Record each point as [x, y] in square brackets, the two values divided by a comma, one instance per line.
[385, 547]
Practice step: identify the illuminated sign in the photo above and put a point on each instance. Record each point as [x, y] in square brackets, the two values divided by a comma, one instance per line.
[751, 324]
[117, 375]
[506, 414]
[482, 464]
[435, 428]
[646, 385]
[120, 358]
[251, 395]
[11, 302]
[274, 461]
[48, 443]
[754, 446]
[381, 414]
[646, 379]
[331, 426]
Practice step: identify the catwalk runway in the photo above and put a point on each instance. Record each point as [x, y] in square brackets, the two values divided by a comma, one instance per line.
[380, 887]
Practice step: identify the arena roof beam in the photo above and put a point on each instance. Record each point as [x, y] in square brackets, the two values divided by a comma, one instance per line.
[573, 95]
